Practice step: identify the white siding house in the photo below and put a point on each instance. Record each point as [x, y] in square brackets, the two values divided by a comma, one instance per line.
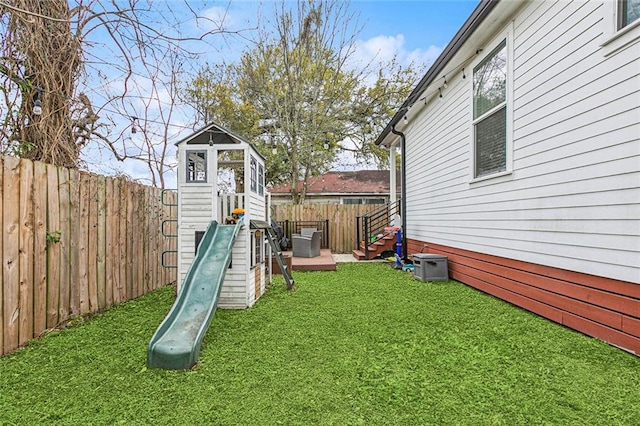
[217, 172]
[522, 160]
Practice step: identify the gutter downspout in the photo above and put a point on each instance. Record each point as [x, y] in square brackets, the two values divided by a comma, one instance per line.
[403, 190]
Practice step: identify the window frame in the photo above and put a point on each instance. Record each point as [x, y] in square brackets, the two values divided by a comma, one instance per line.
[253, 174]
[615, 37]
[620, 7]
[260, 179]
[206, 171]
[257, 253]
[507, 37]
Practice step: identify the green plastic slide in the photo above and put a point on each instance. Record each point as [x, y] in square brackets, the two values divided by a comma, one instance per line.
[176, 343]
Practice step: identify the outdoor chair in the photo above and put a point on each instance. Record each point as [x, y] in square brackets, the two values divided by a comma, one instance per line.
[306, 243]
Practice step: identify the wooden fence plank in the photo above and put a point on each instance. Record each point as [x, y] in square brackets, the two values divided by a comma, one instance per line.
[64, 243]
[153, 239]
[131, 233]
[11, 245]
[2, 332]
[26, 252]
[92, 245]
[40, 248]
[101, 221]
[74, 242]
[110, 248]
[146, 242]
[141, 240]
[83, 231]
[122, 240]
[53, 248]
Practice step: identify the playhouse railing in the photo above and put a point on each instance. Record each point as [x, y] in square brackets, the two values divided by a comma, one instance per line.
[228, 202]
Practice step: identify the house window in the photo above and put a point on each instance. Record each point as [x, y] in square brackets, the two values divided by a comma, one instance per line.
[490, 112]
[196, 166]
[254, 175]
[260, 179]
[352, 201]
[621, 25]
[363, 201]
[374, 201]
[628, 12]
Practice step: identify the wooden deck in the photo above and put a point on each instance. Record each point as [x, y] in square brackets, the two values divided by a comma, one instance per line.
[324, 262]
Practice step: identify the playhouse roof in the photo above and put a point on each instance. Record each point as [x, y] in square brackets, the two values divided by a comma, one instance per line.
[215, 134]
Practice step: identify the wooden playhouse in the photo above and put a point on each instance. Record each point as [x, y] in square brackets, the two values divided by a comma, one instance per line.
[219, 172]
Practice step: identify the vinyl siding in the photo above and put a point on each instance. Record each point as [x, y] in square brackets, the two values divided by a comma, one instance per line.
[195, 214]
[572, 200]
[233, 294]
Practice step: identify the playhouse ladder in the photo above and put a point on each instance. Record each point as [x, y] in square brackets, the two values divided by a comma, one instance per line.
[162, 228]
[273, 241]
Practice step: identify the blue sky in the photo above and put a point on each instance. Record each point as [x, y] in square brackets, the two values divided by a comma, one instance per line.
[410, 28]
[423, 23]
[414, 30]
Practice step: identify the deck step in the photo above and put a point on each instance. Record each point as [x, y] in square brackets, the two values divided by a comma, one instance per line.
[358, 254]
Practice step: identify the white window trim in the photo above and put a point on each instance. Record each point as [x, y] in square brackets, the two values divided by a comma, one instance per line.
[612, 38]
[508, 35]
[206, 168]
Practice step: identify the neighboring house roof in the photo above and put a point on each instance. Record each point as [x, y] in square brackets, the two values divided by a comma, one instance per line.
[353, 182]
[435, 71]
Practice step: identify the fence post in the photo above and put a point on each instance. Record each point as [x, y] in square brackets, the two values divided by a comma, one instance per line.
[326, 232]
[365, 231]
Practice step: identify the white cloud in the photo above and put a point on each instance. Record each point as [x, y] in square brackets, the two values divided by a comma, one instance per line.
[383, 48]
[217, 17]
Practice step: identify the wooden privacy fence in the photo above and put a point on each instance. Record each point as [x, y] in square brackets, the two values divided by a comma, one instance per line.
[74, 243]
[341, 217]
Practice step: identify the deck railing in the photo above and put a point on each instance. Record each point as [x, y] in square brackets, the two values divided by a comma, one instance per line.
[290, 227]
[371, 226]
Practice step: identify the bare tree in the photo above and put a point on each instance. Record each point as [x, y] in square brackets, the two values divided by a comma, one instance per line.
[67, 73]
[298, 95]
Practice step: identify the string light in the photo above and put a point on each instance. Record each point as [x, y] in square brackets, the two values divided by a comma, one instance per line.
[133, 125]
[405, 120]
[37, 104]
[37, 107]
[453, 70]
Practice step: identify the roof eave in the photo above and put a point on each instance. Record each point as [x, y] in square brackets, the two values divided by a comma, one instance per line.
[237, 138]
[464, 33]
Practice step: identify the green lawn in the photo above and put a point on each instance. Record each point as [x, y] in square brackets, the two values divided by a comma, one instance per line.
[363, 345]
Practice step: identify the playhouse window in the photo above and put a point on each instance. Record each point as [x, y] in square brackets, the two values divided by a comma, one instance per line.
[254, 175]
[490, 112]
[260, 179]
[628, 12]
[258, 243]
[196, 166]
[256, 248]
